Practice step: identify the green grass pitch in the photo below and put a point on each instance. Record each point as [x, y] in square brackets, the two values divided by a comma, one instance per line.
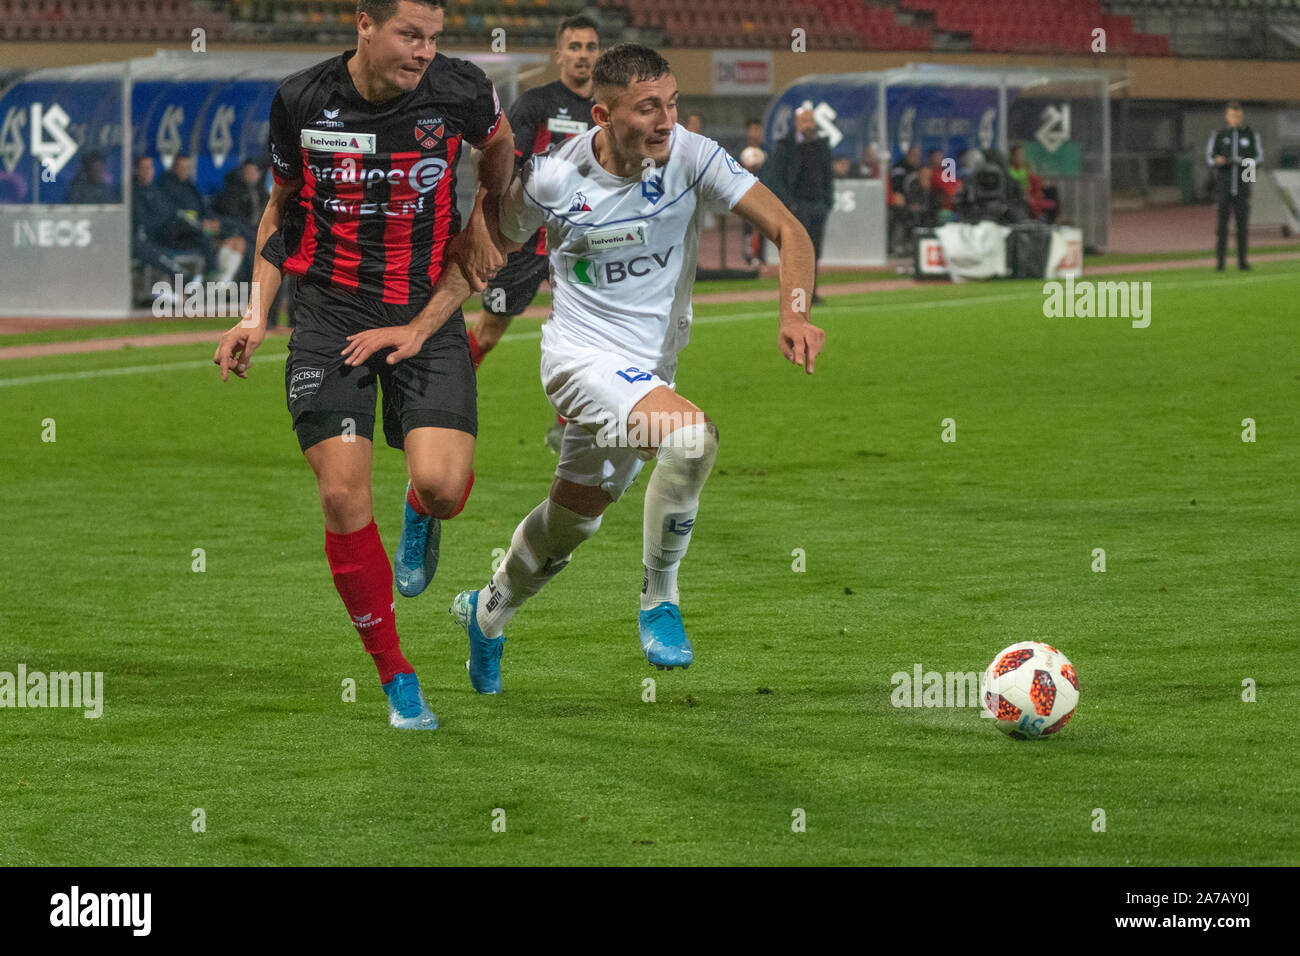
[223, 689]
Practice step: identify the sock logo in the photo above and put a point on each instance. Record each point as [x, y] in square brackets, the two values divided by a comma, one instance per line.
[681, 527]
[494, 600]
[364, 622]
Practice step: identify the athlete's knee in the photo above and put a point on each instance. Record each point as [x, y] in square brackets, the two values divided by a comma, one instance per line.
[442, 489]
[345, 501]
[687, 453]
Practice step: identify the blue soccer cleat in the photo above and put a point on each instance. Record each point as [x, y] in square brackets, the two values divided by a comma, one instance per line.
[416, 560]
[407, 708]
[484, 653]
[663, 639]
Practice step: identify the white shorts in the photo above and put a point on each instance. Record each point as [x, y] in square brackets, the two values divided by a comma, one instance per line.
[595, 390]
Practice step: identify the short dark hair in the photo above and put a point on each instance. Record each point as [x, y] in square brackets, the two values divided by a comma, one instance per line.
[580, 22]
[382, 10]
[1234, 105]
[626, 63]
[753, 122]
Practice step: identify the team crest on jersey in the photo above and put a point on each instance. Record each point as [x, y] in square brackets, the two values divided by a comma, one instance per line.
[429, 133]
[735, 167]
[579, 204]
[652, 188]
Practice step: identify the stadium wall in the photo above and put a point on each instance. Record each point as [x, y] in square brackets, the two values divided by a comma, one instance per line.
[1152, 77]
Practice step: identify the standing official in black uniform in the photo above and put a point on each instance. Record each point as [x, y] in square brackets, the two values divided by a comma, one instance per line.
[1235, 152]
[799, 172]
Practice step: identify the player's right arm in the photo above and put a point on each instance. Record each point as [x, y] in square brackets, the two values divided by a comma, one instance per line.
[236, 348]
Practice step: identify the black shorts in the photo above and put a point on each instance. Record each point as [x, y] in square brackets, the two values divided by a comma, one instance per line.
[435, 387]
[519, 279]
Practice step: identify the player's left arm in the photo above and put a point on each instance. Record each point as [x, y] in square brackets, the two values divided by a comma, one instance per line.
[801, 341]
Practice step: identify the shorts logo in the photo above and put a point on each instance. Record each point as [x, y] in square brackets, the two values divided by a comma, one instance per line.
[342, 142]
[634, 375]
[429, 133]
[304, 382]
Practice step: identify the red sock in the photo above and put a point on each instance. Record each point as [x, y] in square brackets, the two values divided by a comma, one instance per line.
[364, 579]
[468, 488]
[475, 351]
[413, 499]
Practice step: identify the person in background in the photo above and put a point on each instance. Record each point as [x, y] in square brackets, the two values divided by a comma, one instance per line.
[799, 172]
[923, 203]
[223, 247]
[238, 206]
[92, 186]
[842, 167]
[752, 157]
[152, 216]
[870, 164]
[1230, 152]
[695, 122]
[1043, 201]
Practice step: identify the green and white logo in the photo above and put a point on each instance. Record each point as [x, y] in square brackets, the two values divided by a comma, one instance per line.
[583, 272]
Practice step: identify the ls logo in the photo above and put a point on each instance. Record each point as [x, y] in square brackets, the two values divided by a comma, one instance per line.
[634, 375]
[681, 527]
[652, 188]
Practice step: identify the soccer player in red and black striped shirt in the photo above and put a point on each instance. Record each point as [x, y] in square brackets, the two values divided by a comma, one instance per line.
[364, 148]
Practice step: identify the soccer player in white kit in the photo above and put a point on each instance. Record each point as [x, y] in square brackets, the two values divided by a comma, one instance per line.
[622, 206]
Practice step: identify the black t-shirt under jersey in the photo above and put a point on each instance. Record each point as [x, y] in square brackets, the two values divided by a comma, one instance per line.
[378, 198]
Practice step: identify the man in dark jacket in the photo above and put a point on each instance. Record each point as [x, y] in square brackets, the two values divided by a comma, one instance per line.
[91, 187]
[239, 206]
[1234, 152]
[799, 173]
[223, 247]
[151, 220]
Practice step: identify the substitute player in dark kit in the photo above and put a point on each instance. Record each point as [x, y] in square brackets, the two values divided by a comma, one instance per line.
[541, 118]
[364, 149]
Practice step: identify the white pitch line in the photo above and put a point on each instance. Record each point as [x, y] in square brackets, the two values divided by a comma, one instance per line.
[769, 313]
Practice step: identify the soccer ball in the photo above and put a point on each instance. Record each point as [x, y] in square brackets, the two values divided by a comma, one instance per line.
[1030, 690]
[752, 156]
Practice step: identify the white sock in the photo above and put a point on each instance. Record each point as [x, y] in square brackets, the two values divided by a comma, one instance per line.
[228, 259]
[672, 500]
[540, 549]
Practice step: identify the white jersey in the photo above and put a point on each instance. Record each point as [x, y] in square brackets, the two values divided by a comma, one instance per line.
[623, 251]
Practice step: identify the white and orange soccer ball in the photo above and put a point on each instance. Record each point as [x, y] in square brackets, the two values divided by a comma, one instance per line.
[1030, 690]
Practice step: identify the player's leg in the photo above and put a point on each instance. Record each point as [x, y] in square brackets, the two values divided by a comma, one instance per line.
[540, 548]
[431, 413]
[486, 332]
[1242, 206]
[1221, 231]
[508, 295]
[439, 465]
[333, 415]
[685, 445]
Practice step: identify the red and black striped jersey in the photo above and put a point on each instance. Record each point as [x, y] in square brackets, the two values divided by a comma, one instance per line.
[541, 118]
[377, 204]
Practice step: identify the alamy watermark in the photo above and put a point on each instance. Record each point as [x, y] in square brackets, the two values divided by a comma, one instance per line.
[196, 299]
[922, 688]
[653, 429]
[1086, 299]
[74, 689]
